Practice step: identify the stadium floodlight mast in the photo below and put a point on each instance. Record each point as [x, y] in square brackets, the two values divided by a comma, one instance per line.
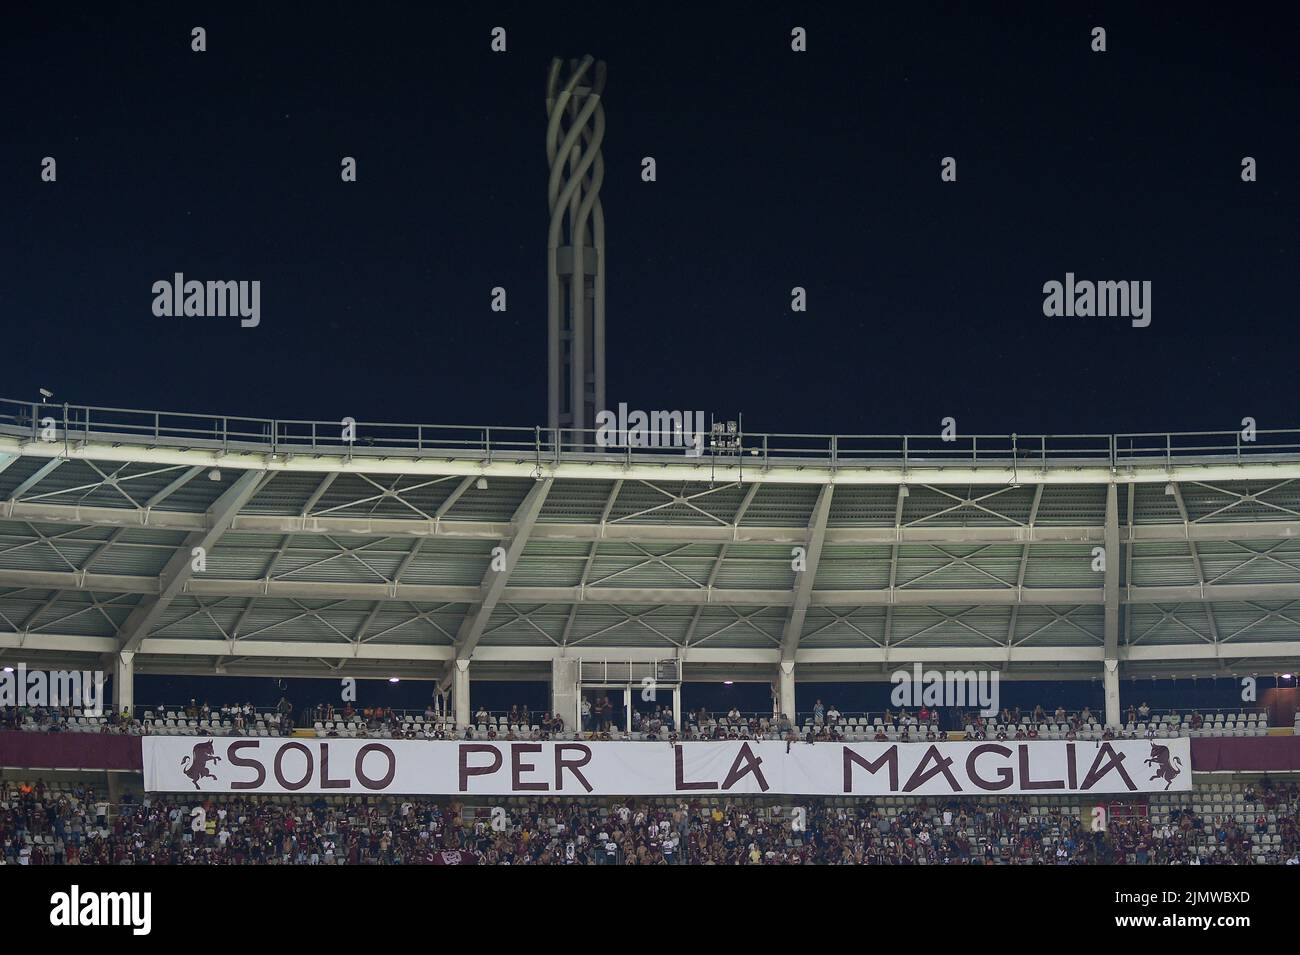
[575, 246]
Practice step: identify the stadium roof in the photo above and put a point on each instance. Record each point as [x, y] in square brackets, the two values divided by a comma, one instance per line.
[375, 557]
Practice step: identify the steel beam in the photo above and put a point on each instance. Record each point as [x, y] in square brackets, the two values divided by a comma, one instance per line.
[680, 596]
[493, 584]
[423, 654]
[804, 580]
[179, 569]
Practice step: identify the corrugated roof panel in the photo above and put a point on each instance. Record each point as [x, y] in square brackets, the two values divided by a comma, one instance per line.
[1062, 565]
[497, 503]
[1163, 565]
[863, 505]
[575, 502]
[782, 505]
[1078, 506]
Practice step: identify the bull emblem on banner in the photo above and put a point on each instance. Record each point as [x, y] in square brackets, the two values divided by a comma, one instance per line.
[198, 768]
[1164, 764]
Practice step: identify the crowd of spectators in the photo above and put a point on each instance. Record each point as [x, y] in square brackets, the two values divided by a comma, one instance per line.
[598, 720]
[40, 824]
[50, 719]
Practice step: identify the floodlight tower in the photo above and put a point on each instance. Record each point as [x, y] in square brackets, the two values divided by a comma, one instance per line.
[575, 247]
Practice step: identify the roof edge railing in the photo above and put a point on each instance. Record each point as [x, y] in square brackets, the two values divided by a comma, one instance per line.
[38, 421]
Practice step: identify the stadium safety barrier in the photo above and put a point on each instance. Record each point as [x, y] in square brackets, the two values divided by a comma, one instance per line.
[225, 433]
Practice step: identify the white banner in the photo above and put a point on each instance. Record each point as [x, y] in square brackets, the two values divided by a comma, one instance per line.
[360, 766]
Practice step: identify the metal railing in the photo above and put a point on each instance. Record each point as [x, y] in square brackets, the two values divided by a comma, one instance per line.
[70, 423]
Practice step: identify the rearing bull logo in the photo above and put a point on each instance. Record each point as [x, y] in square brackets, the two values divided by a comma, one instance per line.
[198, 769]
[1164, 764]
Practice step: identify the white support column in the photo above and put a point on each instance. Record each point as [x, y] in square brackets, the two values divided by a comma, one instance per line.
[678, 723]
[1110, 617]
[564, 692]
[460, 695]
[123, 681]
[786, 694]
[1110, 677]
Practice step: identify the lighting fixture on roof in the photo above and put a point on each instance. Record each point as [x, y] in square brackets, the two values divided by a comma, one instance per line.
[481, 484]
[1170, 489]
[903, 491]
[393, 679]
[725, 436]
[9, 669]
[214, 474]
[728, 682]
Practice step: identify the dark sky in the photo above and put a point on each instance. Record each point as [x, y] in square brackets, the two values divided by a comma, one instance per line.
[776, 169]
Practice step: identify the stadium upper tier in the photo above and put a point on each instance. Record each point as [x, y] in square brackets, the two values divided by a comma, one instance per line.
[216, 544]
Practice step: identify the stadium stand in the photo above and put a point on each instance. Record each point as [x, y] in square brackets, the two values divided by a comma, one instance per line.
[1240, 822]
[244, 719]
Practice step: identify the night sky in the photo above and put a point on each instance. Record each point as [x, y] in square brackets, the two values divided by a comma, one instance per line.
[775, 169]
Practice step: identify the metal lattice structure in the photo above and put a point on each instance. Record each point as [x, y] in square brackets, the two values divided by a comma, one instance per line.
[575, 244]
[374, 559]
